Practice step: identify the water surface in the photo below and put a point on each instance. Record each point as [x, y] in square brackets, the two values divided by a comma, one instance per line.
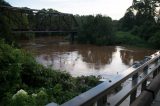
[78, 60]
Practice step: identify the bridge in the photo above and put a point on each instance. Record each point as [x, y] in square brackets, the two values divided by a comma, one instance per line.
[144, 74]
[54, 19]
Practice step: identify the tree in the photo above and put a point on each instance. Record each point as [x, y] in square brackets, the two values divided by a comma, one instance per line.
[95, 29]
[128, 21]
[5, 29]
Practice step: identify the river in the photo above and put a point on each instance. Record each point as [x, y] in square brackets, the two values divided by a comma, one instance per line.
[78, 60]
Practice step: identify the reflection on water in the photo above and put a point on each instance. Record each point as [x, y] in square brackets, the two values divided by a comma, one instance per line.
[106, 61]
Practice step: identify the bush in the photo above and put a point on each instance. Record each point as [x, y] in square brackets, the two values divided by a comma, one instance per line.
[21, 98]
[11, 67]
[127, 38]
[41, 85]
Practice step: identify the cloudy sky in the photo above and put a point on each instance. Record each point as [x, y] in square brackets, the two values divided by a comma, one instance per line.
[112, 8]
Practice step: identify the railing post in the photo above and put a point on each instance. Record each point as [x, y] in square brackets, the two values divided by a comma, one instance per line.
[102, 101]
[133, 94]
[144, 84]
[156, 71]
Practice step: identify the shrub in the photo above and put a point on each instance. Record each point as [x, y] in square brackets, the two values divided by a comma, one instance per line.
[21, 98]
[127, 38]
[41, 85]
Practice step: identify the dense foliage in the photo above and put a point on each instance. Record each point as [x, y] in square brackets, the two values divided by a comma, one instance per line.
[24, 82]
[4, 24]
[143, 20]
[95, 30]
[27, 20]
[128, 39]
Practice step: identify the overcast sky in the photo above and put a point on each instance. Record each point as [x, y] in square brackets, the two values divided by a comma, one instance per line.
[112, 8]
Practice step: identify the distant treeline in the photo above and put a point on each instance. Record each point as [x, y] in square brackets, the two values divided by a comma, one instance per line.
[95, 30]
[140, 24]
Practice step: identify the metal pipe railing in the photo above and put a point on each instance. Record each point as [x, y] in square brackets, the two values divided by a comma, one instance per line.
[148, 95]
[98, 94]
[139, 73]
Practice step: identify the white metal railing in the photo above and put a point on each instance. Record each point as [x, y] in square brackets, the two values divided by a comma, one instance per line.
[138, 73]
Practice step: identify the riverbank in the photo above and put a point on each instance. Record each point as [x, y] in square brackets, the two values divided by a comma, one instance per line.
[26, 82]
[130, 40]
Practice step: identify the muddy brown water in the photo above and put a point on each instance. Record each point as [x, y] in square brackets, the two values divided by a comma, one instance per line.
[78, 60]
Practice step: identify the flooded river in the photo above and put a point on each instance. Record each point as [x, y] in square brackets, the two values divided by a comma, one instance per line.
[78, 60]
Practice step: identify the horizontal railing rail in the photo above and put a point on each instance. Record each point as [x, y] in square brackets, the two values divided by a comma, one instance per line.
[139, 73]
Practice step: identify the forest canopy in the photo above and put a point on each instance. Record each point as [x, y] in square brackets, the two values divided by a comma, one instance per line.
[143, 20]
